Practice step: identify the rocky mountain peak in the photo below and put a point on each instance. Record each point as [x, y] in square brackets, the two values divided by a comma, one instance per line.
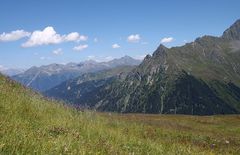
[147, 57]
[126, 60]
[233, 32]
[161, 51]
[127, 57]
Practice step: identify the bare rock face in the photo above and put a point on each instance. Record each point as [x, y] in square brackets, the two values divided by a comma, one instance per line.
[232, 33]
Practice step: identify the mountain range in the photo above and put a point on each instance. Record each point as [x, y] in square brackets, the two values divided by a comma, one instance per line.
[198, 78]
[46, 77]
[83, 88]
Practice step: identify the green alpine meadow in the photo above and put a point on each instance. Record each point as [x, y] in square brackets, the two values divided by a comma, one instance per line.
[32, 124]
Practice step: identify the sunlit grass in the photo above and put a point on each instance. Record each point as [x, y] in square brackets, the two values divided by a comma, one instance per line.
[31, 124]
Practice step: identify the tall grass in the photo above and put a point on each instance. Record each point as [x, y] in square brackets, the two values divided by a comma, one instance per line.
[30, 124]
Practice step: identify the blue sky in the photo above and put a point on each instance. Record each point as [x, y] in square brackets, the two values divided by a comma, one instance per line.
[53, 31]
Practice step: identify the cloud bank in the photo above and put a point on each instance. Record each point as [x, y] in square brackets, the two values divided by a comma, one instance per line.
[167, 40]
[14, 35]
[50, 36]
[80, 47]
[134, 38]
[58, 51]
[115, 46]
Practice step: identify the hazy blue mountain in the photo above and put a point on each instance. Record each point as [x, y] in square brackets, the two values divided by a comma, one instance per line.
[46, 77]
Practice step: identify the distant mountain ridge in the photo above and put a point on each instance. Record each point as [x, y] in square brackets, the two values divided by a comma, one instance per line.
[46, 77]
[83, 88]
[199, 78]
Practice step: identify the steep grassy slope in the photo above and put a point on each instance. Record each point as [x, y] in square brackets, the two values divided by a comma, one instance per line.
[29, 124]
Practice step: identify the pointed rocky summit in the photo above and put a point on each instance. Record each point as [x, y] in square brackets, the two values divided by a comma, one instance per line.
[233, 32]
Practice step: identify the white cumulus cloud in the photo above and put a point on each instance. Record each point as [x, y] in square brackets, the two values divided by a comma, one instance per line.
[45, 37]
[115, 46]
[14, 35]
[50, 36]
[80, 47]
[83, 38]
[167, 40]
[134, 38]
[58, 51]
[74, 36]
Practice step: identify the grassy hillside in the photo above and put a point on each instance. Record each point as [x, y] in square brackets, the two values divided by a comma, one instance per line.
[29, 124]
